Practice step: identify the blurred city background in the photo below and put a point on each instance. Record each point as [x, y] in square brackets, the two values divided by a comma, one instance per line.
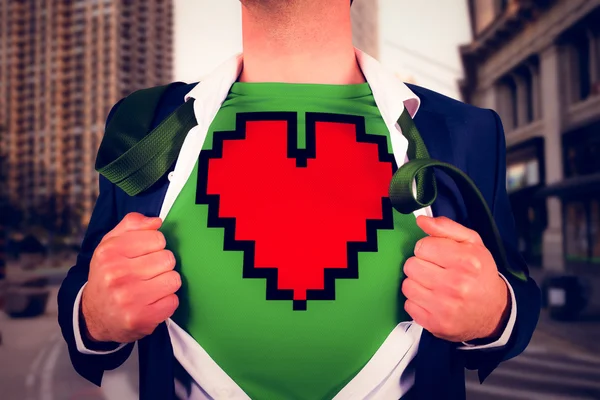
[64, 63]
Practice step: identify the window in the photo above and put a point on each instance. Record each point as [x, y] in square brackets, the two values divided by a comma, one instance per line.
[582, 231]
[510, 106]
[583, 64]
[529, 95]
[580, 63]
[522, 174]
[582, 151]
[595, 230]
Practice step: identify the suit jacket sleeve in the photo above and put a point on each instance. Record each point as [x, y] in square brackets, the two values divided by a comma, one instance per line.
[527, 293]
[104, 219]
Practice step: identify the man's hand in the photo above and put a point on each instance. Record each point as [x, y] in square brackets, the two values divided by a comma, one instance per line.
[452, 284]
[131, 285]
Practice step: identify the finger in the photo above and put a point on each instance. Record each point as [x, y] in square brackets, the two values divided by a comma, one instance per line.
[135, 244]
[425, 273]
[447, 253]
[151, 265]
[158, 287]
[417, 293]
[420, 315]
[163, 308]
[446, 228]
[132, 222]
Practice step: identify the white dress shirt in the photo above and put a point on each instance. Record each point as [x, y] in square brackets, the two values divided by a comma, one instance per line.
[389, 374]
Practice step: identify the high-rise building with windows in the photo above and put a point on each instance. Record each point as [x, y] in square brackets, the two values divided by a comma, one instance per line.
[365, 26]
[63, 64]
[537, 63]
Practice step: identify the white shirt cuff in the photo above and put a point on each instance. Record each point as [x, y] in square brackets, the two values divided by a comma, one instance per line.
[77, 330]
[503, 339]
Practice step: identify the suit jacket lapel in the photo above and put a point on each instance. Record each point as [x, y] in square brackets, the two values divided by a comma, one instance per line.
[436, 358]
[436, 135]
[154, 351]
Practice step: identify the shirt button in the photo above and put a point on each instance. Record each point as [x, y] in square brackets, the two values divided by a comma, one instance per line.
[170, 176]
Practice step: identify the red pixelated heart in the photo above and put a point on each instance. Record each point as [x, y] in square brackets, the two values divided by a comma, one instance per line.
[300, 218]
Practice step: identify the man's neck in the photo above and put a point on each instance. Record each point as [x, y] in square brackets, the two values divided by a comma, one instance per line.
[308, 41]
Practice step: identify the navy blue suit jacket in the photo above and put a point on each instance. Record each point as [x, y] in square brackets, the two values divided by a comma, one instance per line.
[468, 137]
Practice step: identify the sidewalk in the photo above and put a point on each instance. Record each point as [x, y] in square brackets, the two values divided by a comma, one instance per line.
[584, 333]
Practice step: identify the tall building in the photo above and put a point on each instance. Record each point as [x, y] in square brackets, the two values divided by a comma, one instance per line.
[537, 63]
[365, 26]
[63, 64]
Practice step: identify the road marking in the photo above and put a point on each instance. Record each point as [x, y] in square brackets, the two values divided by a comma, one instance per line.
[583, 357]
[533, 349]
[46, 390]
[35, 365]
[545, 378]
[116, 386]
[517, 394]
[557, 365]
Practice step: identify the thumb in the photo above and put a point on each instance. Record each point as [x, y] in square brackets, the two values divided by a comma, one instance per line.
[134, 222]
[446, 228]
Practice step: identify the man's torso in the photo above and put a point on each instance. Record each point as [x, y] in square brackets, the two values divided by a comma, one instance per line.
[290, 250]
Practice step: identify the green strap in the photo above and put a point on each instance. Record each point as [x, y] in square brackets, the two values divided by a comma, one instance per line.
[134, 159]
[420, 168]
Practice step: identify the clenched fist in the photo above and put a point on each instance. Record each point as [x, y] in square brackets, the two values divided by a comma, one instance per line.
[132, 283]
[452, 284]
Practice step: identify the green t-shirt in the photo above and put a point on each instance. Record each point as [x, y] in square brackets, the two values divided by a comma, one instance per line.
[290, 251]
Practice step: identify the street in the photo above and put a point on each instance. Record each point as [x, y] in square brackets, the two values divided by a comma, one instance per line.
[34, 365]
[546, 370]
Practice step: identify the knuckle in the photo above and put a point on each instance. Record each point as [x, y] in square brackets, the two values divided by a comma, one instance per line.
[177, 280]
[159, 239]
[168, 259]
[130, 321]
[463, 290]
[120, 297]
[471, 248]
[109, 279]
[444, 221]
[102, 252]
[419, 247]
[424, 246]
[126, 222]
[130, 219]
[471, 259]
[475, 262]
[173, 303]
[407, 306]
[409, 265]
[406, 287]
[173, 281]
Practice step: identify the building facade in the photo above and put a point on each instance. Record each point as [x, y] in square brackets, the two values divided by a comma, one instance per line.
[537, 63]
[365, 26]
[63, 64]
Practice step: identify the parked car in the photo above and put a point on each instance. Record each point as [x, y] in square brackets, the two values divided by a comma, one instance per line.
[26, 295]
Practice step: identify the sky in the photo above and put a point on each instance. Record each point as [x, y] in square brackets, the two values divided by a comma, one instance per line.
[419, 39]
